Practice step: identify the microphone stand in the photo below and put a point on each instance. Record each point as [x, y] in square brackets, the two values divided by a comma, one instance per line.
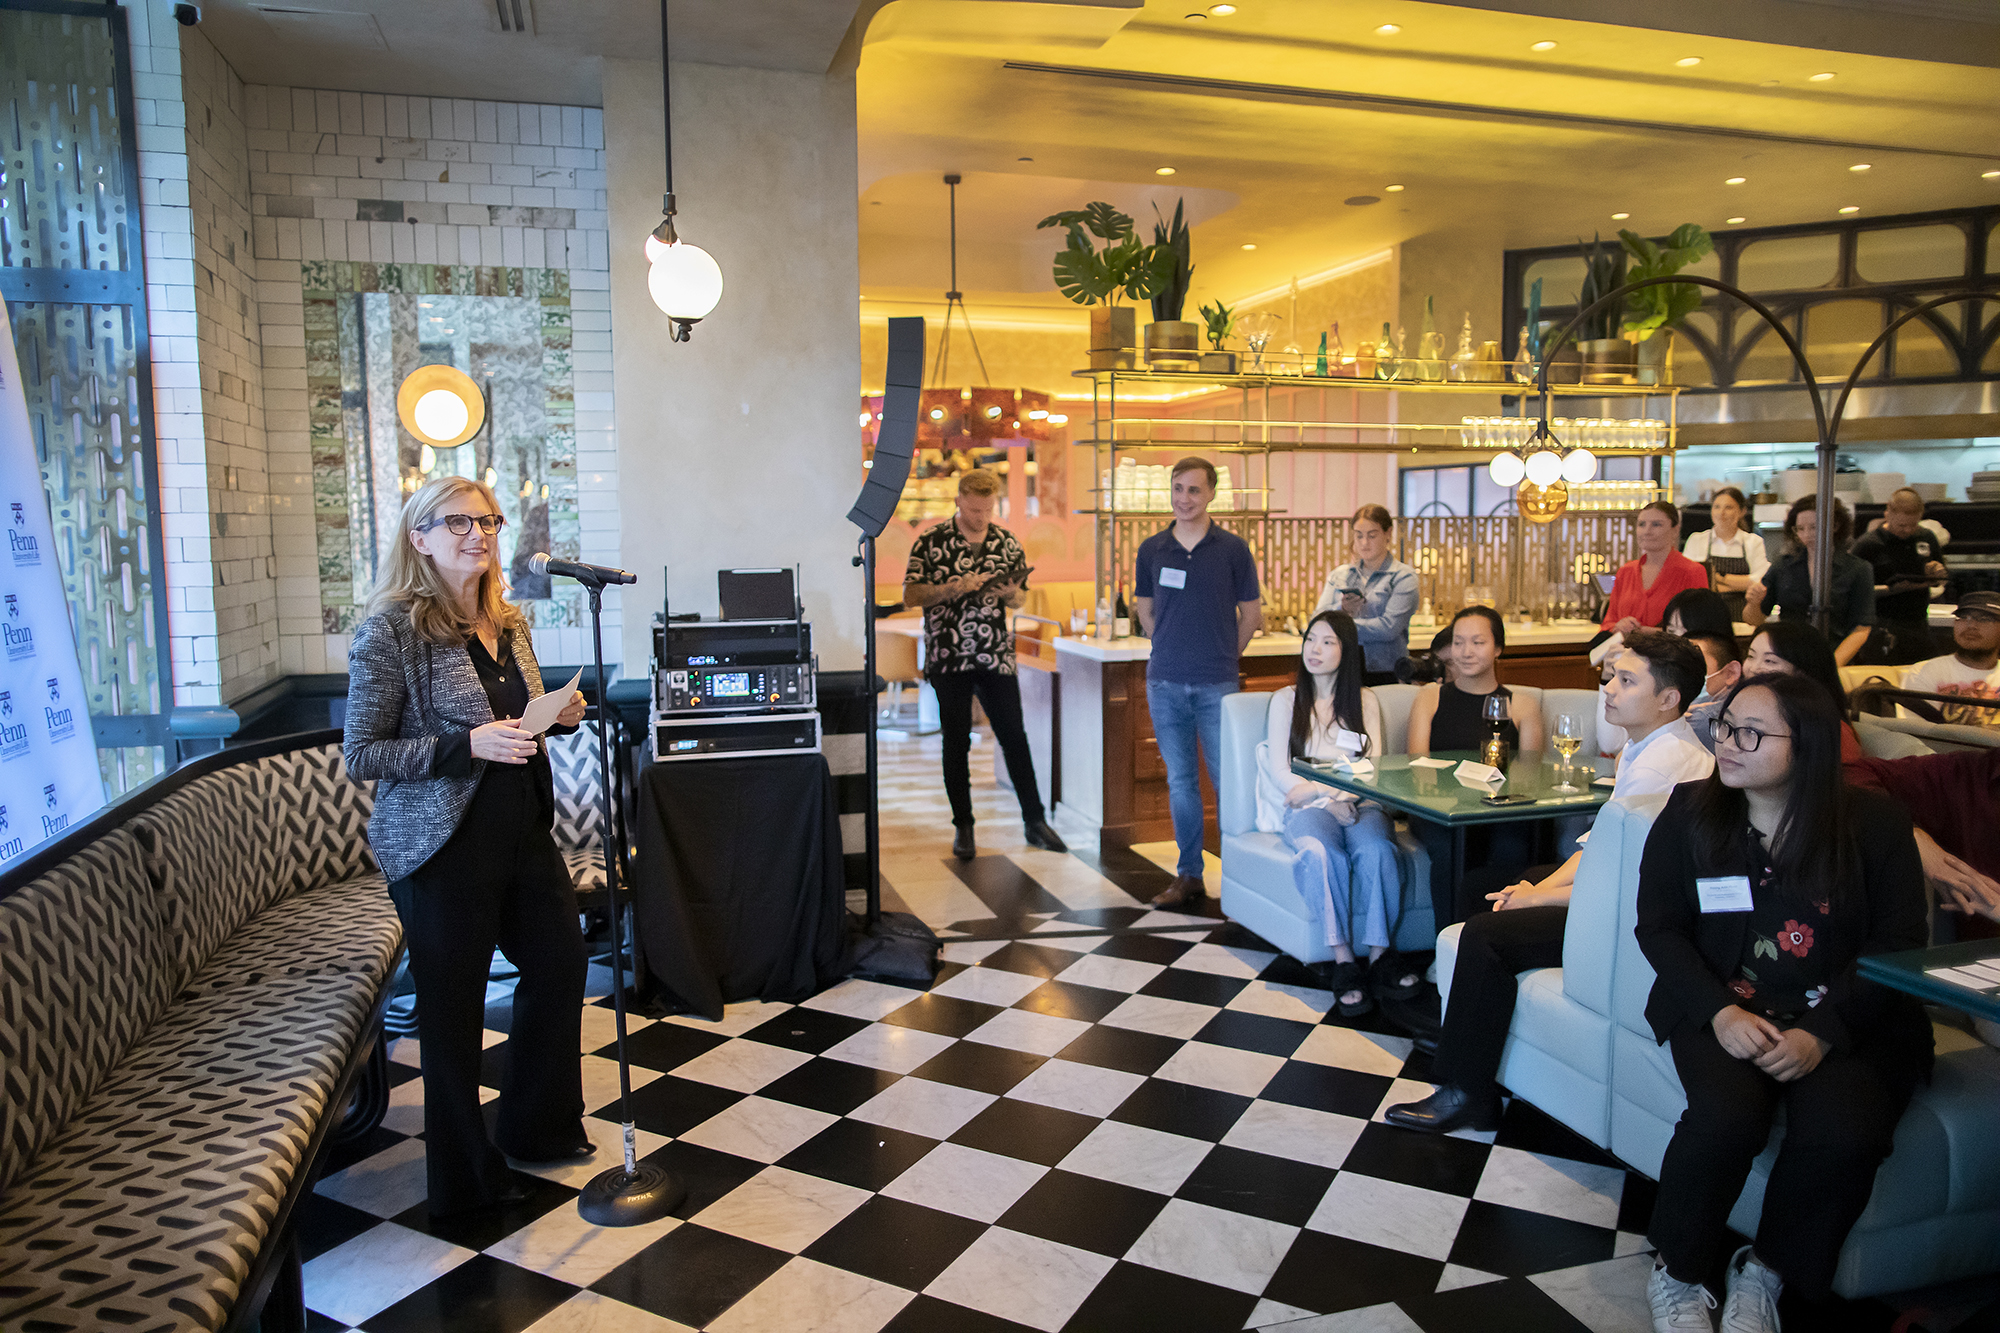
[636, 1192]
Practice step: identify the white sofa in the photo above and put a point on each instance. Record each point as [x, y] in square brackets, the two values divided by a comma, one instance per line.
[1581, 1050]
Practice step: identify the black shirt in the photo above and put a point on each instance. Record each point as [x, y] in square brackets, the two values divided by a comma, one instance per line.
[1788, 587]
[1897, 559]
[968, 633]
[507, 695]
[1460, 721]
[1783, 971]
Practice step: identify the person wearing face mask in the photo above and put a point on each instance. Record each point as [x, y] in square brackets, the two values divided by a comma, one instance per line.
[1344, 852]
[1723, 661]
[1450, 715]
[1733, 555]
[1643, 587]
[1759, 888]
[1377, 590]
[1787, 585]
[439, 675]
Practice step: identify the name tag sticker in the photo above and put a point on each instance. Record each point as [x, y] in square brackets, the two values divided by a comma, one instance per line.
[1352, 741]
[1173, 578]
[1725, 893]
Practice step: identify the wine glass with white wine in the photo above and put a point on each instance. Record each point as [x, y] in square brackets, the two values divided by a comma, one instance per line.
[1568, 740]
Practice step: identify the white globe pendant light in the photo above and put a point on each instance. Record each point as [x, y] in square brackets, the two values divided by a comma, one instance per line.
[441, 415]
[1506, 469]
[1544, 467]
[1579, 466]
[685, 282]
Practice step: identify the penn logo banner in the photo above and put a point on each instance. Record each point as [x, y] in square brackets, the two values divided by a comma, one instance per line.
[49, 777]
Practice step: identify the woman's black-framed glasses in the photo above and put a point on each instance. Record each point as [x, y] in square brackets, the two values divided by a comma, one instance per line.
[1746, 739]
[460, 524]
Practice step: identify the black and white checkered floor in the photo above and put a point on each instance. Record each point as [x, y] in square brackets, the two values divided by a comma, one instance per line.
[1100, 1118]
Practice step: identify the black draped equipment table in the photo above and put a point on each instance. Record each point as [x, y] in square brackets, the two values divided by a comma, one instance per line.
[738, 879]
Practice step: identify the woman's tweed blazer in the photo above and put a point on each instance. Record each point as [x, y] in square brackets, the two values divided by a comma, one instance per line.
[403, 694]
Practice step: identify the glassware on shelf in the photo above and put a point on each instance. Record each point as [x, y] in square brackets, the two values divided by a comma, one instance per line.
[1430, 345]
[1387, 363]
[1524, 365]
[1258, 329]
[1460, 370]
[1338, 362]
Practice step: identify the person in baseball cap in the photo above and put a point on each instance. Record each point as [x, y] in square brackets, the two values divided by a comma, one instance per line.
[1974, 668]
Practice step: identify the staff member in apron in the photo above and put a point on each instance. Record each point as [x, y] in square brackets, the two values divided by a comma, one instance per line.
[1734, 554]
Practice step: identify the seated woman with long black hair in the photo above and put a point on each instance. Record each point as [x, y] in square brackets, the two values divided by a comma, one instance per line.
[1758, 890]
[1344, 849]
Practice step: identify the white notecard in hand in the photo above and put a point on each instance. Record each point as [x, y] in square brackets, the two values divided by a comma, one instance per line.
[543, 709]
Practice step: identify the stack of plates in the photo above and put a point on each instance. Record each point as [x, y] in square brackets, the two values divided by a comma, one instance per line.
[1985, 487]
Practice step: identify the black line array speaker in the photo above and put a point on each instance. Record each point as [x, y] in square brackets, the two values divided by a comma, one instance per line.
[896, 441]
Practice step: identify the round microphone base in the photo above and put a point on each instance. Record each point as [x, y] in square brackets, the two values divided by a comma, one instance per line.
[617, 1198]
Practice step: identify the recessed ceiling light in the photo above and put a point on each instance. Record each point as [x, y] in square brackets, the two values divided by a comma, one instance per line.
[1734, 221]
[1543, 46]
[1393, 189]
[1163, 171]
[1024, 159]
[1822, 78]
[1620, 217]
[1197, 18]
[1220, 10]
[1388, 30]
[1688, 62]
[1250, 245]
[1860, 166]
[1736, 180]
[1989, 175]
[1852, 208]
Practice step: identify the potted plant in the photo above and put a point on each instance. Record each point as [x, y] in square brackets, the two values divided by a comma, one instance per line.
[1170, 340]
[1221, 321]
[1097, 276]
[1607, 358]
[1651, 316]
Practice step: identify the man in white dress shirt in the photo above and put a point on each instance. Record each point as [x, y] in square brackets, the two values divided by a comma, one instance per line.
[1656, 677]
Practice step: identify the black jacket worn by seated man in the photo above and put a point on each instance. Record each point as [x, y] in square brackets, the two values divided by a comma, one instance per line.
[1900, 560]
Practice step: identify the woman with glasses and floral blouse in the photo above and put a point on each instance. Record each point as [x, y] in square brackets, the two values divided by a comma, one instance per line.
[439, 674]
[1759, 889]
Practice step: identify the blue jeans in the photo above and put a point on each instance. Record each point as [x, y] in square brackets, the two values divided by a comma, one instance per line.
[1349, 871]
[1181, 713]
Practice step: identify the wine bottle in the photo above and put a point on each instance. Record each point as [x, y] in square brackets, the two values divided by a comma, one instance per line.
[1430, 345]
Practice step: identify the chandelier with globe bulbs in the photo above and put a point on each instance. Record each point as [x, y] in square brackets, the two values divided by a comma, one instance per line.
[685, 281]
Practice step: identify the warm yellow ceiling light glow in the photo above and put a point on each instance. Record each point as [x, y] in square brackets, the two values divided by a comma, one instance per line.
[1734, 221]
[1852, 208]
[1620, 217]
[1250, 245]
[1388, 30]
[1822, 78]
[1688, 62]
[1861, 166]
[1736, 180]
[1543, 46]
[1222, 11]
[1989, 175]
[1393, 189]
[440, 405]
[1163, 171]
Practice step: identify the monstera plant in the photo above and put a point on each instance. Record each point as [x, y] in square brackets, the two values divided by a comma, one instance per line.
[1122, 266]
[1666, 306]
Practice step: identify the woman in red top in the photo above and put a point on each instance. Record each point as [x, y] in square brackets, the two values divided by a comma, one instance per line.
[1644, 586]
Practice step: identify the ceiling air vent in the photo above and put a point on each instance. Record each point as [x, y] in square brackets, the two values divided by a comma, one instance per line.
[516, 15]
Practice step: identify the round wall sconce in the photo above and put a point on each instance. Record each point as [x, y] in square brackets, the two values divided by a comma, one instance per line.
[441, 406]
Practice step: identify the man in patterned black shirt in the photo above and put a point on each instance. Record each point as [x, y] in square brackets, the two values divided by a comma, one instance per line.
[966, 574]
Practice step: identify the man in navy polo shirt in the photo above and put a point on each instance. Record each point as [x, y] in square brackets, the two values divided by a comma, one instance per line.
[1195, 590]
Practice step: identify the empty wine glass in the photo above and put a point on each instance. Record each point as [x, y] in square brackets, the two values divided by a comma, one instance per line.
[1568, 740]
[1258, 329]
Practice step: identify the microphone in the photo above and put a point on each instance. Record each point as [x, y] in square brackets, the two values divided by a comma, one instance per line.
[582, 573]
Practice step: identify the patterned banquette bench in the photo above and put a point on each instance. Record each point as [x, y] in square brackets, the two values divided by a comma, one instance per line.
[191, 989]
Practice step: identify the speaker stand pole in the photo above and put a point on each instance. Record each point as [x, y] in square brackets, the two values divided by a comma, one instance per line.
[872, 820]
[638, 1192]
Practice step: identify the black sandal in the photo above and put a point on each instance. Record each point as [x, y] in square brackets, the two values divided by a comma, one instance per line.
[1349, 976]
[1392, 979]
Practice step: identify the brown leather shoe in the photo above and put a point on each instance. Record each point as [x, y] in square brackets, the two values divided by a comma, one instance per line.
[1184, 890]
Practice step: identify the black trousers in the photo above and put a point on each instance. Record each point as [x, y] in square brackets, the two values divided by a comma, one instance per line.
[499, 882]
[1840, 1122]
[1492, 949]
[1000, 695]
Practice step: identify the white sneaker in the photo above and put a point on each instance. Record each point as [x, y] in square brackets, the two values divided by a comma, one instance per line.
[1678, 1307]
[1752, 1303]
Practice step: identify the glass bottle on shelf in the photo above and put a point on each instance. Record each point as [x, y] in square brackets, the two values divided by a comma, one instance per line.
[1460, 370]
[1385, 354]
[1430, 345]
[1365, 361]
[1336, 355]
[1524, 365]
[1320, 368]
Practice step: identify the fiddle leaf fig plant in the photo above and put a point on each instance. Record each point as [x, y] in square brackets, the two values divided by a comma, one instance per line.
[1666, 306]
[1123, 266]
[1221, 321]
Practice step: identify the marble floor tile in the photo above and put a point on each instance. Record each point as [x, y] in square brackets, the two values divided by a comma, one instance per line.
[937, 902]
[1084, 1089]
[609, 1138]
[1031, 1281]
[588, 1312]
[390, 1182]
[1274, 1314]
[1458, 1275]
[1395, 1217]
[966, 1181]
[1160, 919]
[1025, 1030]
[1166, 1018]
[1214, 1245]
[368, 1274]
[600, 1081]
[1060, 938]
[870, 1000]
[970, 951]
[600, 1027]
[759, 1129]
[1385, 1318]
[742, 1065]
[1579, 1191]
[1607, 1297]
[986, 985]
[809, 1297]
[1146, 1159]
[786, 1210]
[1223, 1068]
[1348, 1048]
[887, 1046]
[1302, 1004]
[561, 1244]
[1296, 1132]
[1121, 974]
[1221, 961]
[736, 1019]
[919, 1106]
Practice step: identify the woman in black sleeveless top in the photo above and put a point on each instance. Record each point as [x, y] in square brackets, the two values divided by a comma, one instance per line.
[1460, 720]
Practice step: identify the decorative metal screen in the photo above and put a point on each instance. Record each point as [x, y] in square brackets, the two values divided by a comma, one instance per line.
[71, 268]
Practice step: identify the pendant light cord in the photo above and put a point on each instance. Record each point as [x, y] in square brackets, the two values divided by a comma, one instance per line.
[667, 106]
[953, 298]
